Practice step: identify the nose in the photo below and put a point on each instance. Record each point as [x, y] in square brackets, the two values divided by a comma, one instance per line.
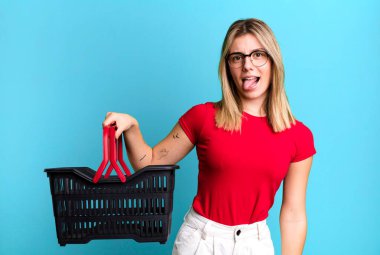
[247, 64]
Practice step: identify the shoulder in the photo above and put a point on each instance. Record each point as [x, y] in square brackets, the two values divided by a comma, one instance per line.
[206, 105]
[202, 109]
[300, 129]
[303, 141]
[193, 121]
[299, 133]
[198, 113]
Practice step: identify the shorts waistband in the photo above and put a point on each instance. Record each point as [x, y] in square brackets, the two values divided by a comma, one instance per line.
[209, 227]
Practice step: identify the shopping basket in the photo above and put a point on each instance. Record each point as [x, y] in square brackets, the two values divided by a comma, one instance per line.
[90, 206]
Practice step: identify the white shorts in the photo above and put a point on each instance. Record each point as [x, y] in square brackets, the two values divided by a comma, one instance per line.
[199, 235]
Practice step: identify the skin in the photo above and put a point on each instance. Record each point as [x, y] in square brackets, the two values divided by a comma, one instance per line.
[170, 150]
[293, 221]
[252, 100]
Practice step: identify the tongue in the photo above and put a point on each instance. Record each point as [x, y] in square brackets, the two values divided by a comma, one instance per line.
[248, 84]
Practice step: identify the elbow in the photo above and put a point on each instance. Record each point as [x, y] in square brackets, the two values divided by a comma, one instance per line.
[143, 161]
[293, 214]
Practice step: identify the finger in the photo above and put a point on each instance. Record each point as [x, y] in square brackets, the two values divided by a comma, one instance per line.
[109, 121]
[118, 133]
[107, 114]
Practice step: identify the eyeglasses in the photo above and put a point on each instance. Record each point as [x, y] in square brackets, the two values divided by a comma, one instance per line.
[258, 58]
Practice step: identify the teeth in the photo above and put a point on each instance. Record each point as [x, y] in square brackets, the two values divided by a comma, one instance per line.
[251, 78]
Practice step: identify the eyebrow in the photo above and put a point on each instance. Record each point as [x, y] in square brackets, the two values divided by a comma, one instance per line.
[259, 49]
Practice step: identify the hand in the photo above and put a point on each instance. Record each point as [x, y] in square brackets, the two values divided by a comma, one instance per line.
[122, 121]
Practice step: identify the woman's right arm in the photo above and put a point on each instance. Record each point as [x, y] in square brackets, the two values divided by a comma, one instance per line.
[168, 152]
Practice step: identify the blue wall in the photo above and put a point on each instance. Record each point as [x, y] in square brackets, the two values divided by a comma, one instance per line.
[64, 64]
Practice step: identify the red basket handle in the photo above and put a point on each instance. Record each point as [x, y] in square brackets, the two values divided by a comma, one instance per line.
[112, 152]
[105, 155]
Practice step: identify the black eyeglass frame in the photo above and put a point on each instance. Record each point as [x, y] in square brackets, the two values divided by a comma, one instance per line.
[248, 55]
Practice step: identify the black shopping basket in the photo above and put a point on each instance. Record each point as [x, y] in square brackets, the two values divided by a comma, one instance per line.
[89, 206]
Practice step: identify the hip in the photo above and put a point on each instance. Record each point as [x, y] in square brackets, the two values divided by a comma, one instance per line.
[199, 235]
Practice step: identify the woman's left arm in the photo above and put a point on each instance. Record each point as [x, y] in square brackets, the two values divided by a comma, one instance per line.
[293, 220]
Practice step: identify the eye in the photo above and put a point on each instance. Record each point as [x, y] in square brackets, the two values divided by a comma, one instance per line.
[258, 54]
[236, 58]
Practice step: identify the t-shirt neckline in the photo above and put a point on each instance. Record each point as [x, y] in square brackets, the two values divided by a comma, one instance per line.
[250, 115]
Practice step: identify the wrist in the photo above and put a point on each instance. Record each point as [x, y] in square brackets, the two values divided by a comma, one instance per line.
[133, 128]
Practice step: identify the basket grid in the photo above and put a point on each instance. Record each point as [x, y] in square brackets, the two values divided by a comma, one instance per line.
[88, 229]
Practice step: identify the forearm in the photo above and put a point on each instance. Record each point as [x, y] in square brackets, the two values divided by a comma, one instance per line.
[167, 152]
[139, 153]
[293, 232]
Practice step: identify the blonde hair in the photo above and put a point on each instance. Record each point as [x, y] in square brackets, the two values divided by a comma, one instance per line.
[230, 110]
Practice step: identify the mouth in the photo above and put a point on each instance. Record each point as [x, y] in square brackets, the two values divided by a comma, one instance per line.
[250, 82]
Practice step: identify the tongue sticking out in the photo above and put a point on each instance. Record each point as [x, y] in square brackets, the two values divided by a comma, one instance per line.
[249, 84]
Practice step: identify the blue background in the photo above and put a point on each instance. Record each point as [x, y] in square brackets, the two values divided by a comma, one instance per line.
[64, 64]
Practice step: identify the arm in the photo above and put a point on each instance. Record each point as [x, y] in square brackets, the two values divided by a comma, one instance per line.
[169, 151]
[293, 220]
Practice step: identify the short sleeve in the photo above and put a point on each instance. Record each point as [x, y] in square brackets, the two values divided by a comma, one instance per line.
[192, 122]
[304, 142]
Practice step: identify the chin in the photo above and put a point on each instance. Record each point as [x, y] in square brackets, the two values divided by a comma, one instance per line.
[253, 94]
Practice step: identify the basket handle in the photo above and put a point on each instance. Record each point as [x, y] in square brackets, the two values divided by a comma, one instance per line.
[112, 152]
[116, 154]
[105, 155]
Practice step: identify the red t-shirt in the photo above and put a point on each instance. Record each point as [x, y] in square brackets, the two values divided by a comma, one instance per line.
[239, 174]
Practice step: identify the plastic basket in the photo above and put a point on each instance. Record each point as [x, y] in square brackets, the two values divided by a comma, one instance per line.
[88, 205]
[139, 209]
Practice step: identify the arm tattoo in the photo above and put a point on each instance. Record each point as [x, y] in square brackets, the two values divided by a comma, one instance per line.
[163, 153]
[176, 136]
[143, 157]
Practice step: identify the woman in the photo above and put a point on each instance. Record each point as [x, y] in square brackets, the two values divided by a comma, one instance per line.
[247, 144]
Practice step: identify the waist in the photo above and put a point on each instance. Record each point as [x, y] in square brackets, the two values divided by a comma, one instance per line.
[231, 213]
[209, 227]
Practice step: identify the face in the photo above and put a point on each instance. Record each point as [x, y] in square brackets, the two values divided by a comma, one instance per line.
[252, 82]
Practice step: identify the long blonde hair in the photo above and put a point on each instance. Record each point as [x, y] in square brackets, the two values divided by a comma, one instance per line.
[229, 109]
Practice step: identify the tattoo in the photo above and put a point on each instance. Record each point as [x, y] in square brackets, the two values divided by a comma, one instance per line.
[163, 153]
[175, 136]
[143, 157]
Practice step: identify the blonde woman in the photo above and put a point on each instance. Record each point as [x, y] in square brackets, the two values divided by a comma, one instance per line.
[247, 144]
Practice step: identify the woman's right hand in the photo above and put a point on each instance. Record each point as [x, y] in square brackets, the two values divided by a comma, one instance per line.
[122, 121]
[167, 152]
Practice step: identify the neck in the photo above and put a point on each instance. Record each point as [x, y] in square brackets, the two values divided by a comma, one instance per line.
[254, 107]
